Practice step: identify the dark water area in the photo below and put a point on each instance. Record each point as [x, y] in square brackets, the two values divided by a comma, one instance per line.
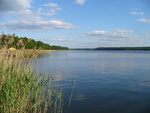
[106, 81]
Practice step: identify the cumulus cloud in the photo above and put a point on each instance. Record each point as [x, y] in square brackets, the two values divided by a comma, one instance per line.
[80, 2]
[14, 6]
[52, 11]
[60, 39]
[147, 20]
[51, 4]
[37, 25]
[111, 34]
[28, 20]
[147, 36]
[54, 8]
[134, 9]
[136, 13]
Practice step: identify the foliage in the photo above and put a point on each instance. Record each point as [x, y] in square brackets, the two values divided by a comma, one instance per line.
[26, 43]
[21, 91]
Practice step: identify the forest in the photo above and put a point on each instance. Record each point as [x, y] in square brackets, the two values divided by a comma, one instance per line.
[116, 48]
[123, 48]
[16, 42]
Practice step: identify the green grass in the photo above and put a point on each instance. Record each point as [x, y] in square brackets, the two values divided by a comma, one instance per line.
[21, 91]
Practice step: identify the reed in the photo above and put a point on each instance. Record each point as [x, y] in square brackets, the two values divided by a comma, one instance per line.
[22, 91]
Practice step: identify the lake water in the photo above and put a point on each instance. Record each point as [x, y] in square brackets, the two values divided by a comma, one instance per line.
[106, 81]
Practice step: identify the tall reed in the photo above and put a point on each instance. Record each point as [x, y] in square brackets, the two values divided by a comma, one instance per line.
[21, 91]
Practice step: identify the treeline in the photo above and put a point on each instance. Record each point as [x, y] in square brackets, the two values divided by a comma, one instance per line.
[123, 48]
[116, 48]
[9, 41]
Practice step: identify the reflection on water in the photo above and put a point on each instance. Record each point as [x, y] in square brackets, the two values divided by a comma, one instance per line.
[107, 81]
[139, 85]
[80, 97]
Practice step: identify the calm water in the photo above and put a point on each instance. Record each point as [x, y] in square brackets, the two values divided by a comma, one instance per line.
[106, 81]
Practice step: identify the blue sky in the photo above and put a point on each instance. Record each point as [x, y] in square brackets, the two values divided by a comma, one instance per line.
[78, 23]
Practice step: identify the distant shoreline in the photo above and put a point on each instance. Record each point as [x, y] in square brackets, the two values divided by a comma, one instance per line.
[116, 48]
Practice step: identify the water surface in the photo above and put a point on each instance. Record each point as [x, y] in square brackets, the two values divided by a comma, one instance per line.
[106, 81]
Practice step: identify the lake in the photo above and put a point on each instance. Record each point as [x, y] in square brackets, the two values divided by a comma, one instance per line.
[106, 81]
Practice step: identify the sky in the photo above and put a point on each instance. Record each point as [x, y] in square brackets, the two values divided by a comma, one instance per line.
[78, 23]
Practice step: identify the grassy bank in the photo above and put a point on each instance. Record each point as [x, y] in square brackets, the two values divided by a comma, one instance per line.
[31, 53]
[21, 91]
[27, 53]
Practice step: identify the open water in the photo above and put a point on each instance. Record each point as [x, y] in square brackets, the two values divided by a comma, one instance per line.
[106, 81]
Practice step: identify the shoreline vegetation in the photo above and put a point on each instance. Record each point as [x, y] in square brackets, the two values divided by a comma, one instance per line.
[26, 46]
[21, 89]
[14, 42]
[27, 53]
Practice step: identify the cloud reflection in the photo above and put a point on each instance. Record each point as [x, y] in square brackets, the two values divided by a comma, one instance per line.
[139, 85]
[80, 97]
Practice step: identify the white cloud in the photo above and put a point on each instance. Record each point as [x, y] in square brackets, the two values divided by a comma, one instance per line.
[141, 13]
[134, 9]
[136, 13]
[51, 4]
[111, 34]
[52, 11]
[22, 18]
[147, 20]
[14, 6]
[60, 39]
[147, 36]
[35, 25]
[80, 2]
[64, 41]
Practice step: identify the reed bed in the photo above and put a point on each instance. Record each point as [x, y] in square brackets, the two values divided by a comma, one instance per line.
[22, 91]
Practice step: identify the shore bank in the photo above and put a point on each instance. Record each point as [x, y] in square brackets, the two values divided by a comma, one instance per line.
[27, 53]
